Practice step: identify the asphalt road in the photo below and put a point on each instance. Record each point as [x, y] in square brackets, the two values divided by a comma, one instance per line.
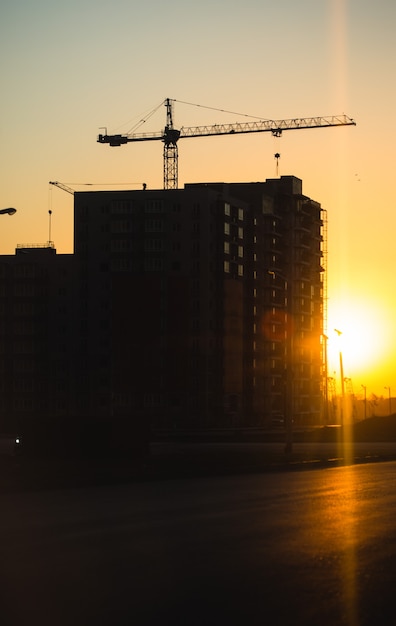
[312, 548]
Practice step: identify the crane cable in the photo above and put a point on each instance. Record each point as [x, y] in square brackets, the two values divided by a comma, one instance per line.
[202, 106]
[100, 184]
[142, 119]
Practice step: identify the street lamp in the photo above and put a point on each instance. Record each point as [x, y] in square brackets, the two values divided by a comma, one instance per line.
[325, 381]
[339, 333]
[365, 400]
[289, 363]
[9, 211]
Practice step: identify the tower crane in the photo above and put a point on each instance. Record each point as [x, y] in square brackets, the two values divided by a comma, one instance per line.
[56, 183]
[171, 135]
[62, 186]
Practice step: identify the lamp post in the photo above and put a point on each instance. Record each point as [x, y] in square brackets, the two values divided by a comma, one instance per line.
[339, 333]
[365, 400]
[389, 399]
[325, 382]
[289, 405]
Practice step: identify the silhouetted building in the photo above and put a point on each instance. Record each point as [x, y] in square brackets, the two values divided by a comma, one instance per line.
[36, 335]
[178, 308]
[185, 300]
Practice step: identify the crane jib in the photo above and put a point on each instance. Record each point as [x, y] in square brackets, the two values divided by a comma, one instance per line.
[276, 127]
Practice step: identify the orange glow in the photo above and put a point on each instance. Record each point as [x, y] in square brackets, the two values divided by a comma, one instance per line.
[364, 343]
[49, 130]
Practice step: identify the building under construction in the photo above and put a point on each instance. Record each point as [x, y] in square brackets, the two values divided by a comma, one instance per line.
[198, 305]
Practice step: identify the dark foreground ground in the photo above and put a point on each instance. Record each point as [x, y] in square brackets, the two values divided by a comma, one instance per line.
[208, 453]
[302, 548]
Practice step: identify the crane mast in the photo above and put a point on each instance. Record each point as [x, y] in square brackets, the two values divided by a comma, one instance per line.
[171, 156]
[170, 135]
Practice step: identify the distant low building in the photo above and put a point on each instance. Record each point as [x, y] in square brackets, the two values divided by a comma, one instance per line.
[37, 335]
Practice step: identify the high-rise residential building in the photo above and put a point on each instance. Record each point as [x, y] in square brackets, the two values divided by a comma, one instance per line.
[201, 306]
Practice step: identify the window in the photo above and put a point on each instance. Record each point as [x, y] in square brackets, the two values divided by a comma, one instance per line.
[121, 226]
[154, 226]
[227, 208]
[226, 228]
[153, 264]
[226, 247]
[153, 245]
[153, 206]
[24, 289]
[122, 265]
[22, 403]
[152, 399]
[120, 245]
[24, 271]
[226, 267]
[23, 385]
[121, 207]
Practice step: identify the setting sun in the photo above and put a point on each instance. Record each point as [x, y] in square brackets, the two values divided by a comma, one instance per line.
[363, 342]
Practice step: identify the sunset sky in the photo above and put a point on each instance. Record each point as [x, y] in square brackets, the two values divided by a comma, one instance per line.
[68, 69]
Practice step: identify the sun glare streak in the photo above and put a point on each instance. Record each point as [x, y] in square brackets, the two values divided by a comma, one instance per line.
[360, 346]
[349, 564]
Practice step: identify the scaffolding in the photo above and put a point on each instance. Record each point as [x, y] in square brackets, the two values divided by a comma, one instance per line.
[325, 391]
[324, 268]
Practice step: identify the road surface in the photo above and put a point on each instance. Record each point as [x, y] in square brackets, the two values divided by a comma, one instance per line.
[315, 548]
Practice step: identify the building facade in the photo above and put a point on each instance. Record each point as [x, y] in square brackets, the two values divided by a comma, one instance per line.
[196, 304]
[37, 350]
